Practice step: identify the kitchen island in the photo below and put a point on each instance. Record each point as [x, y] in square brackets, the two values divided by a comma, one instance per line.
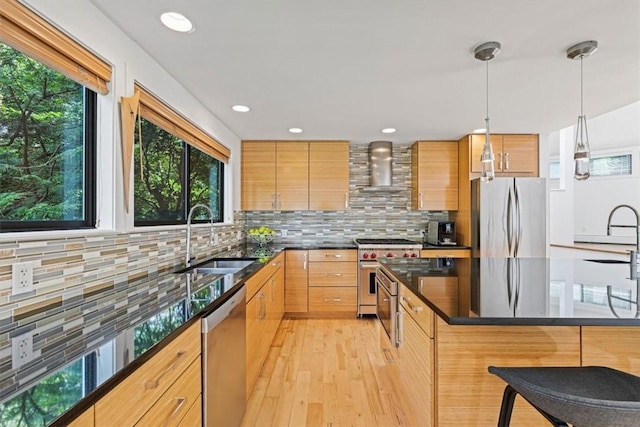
[460, 318]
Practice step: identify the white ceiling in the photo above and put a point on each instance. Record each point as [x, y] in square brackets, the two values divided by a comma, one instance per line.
[345, 69]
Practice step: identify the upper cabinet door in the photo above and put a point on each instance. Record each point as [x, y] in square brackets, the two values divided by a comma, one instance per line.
[328, 175]
[258, 188]
[520, 154]
[292, 175]
[477, 145]
[435, 175]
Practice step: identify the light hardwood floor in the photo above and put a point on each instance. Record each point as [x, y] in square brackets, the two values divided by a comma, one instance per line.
[326, 372]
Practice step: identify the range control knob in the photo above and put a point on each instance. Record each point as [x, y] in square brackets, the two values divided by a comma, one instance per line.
[365, 255]
[373, 255]
[414, 255]
[406, 255]
[390, 255]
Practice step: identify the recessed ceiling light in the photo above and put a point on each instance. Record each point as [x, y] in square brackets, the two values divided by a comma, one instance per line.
[295, 130]
[481, 130]
[176, 22]
[388, 130]
[240, 108]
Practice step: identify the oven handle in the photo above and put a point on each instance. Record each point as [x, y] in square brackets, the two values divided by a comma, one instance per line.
[368, 265]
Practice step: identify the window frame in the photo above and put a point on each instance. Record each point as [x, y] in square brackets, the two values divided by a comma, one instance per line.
[185, 193]
[89, 183]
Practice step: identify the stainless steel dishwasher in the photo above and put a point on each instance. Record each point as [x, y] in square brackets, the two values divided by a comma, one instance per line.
[224, 363]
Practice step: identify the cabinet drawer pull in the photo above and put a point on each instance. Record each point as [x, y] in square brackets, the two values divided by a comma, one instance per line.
[176, 411]
[346, 200]
[304, 263]
[500, 162]
[421, 201]
[506, 161]
[151, 384]
[333, 255]
[333, 274]
[276, 264]
[333, 299]
[414, 308]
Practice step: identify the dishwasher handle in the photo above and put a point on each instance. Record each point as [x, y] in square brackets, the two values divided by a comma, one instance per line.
[219, 314]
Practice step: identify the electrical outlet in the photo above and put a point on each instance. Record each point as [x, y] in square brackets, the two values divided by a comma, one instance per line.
[216, 239]
[22, 278]
[21, 350]
[284, 232]
[238, 235]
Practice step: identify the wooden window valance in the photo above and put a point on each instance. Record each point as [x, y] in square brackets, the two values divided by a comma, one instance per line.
[27, 32]
[163, 116]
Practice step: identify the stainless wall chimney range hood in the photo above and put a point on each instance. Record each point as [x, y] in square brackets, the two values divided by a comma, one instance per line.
[380, 168]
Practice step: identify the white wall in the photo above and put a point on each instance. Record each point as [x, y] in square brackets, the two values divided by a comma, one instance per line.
[582, 207]
[83, 21]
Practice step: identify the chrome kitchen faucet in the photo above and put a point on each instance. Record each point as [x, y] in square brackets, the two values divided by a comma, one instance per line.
[199, 205]
[633, 256]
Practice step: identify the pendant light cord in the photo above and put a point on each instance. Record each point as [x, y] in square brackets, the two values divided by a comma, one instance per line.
[487, 62]
[581, 87]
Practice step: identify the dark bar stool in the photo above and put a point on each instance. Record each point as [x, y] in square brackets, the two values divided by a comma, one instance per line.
[591, 396]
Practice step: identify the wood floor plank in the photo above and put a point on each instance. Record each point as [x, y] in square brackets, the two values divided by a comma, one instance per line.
[326, 373]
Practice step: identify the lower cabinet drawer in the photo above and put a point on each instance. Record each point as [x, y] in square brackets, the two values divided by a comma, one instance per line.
[332, 299]
[333, 273]
[194, 416]
[132, 398]
[174, 404]
[417, 309]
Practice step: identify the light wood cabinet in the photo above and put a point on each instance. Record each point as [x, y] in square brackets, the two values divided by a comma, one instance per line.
[445, 253]
[611, 346]
[149, 382]
[332, 280]
[415, 358]
[265, 309]
[434, 175]
[275, 175]
[174, 404]
[296, 281]
[258, 169]
[84, 420]
[292, 176]
[328, 175]
[515, 154]
[295, 175]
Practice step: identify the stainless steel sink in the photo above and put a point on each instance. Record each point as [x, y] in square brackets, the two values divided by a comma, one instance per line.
[223, 266]
[219, 266]
[608, 261]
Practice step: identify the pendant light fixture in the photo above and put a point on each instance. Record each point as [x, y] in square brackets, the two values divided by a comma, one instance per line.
[581, 150]
[486, 52]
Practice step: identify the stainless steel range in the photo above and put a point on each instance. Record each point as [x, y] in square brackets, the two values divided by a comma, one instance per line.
[369, 251]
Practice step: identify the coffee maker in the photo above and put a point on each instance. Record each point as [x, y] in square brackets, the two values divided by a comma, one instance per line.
[441, 233]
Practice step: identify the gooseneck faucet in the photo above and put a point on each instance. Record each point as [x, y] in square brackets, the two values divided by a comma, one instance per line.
[633, 256]
[199, 205]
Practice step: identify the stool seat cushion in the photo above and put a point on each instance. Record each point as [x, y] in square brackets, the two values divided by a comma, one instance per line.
[582, 396]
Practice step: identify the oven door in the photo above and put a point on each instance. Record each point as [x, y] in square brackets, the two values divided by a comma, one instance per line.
[367, 288]
[387, 306]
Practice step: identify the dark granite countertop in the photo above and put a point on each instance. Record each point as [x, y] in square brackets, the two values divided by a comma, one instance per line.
[130, 321]
[522, 291]
[429, 246]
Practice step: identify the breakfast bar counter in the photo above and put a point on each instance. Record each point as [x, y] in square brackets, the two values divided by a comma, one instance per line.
[474, 313]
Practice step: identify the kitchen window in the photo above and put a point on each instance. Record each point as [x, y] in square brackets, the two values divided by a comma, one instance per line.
[177, 165]
[47, 145]
[171, 176]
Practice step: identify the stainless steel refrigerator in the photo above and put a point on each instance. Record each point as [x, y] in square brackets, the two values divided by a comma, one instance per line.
[509, 218]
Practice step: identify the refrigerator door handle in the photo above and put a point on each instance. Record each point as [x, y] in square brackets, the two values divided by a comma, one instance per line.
[510, 229]
[518, 221]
